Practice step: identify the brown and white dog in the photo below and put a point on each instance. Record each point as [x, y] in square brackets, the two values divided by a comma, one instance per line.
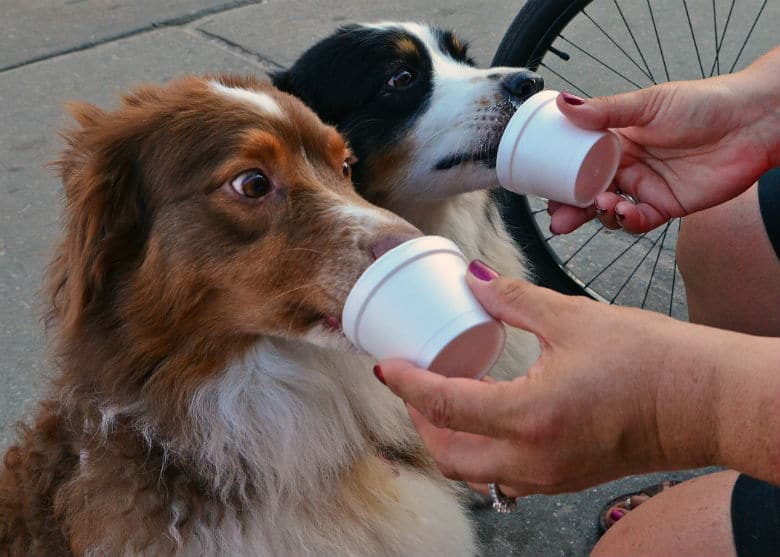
[425, 124]
[205, 404]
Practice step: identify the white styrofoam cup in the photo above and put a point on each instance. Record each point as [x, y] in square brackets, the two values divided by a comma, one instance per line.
[542, 153]
[413, 303]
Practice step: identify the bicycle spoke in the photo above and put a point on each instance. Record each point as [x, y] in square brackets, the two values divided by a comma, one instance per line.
[621, 254]
[674, 272]
[559, 76]
[633, 38]
[693, 36]
[758, 16]
[579, 249]
[612, 301]
[627, 55]
[717, 60]
[655, 264]
[658, 40]
[720, 42]
[610, 68]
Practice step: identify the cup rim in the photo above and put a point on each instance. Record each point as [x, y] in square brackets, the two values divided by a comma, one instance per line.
[514, 131]
[380, 271]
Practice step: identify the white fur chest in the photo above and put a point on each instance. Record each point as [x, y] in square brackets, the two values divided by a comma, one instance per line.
[297, 424]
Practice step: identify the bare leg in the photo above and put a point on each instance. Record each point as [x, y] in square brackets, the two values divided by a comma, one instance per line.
[692, 518]
[730, 269]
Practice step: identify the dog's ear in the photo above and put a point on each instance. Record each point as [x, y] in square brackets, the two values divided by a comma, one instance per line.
[283, 81]
[105, 218]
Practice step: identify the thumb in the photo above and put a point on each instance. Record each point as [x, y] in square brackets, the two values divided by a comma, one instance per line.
[517, 302]
[636, 108]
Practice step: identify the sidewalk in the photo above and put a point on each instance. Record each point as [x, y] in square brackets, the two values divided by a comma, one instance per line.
[51, 52]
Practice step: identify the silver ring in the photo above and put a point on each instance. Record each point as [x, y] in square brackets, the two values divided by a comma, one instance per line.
[627, 196]
[627, 503]
[501, 503]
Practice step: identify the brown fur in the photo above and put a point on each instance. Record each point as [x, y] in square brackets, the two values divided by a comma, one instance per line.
[165, 275]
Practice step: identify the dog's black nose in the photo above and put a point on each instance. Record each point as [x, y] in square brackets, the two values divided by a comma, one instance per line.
[523, 84]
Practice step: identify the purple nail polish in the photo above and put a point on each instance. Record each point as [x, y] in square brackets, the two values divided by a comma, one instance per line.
[482, 271]
[573, 100]
[379, 375]
[616, 514]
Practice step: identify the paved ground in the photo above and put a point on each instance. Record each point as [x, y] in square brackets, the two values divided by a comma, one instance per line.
[52, 51]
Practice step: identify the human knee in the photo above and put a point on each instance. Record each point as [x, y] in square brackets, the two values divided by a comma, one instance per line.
[696, 245]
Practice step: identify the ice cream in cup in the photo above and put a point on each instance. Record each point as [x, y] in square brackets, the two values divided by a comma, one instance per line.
[413, 303]
[542, 153]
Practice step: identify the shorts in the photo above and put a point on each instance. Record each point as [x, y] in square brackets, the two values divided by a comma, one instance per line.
[755, 517]
[769, 203]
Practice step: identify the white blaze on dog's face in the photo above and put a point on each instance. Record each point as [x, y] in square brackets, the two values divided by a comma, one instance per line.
[424, 122]
[230, 212]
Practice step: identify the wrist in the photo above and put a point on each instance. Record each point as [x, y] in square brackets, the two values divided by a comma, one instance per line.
[757, 94]
[686, 395]
[717, 401]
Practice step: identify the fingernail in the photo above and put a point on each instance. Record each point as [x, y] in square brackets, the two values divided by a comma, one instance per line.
[620, 217]
[616, 514]
[600, 212]
[482, 271]
[379, 375]
[573, 100]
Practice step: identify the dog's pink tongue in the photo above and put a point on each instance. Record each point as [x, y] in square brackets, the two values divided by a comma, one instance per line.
[333, 322]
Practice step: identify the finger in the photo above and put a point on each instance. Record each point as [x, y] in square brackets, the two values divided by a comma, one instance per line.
[553, 206]
[636, 108]
[518, 303]
[509, 491]
[479, 488]
[638, 218]
[606, 210]
[484, 489]
[480, 460]
[566, 219]
[453, 403]
[463, 456]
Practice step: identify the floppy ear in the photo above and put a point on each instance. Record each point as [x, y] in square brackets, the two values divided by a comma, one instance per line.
[105, 217]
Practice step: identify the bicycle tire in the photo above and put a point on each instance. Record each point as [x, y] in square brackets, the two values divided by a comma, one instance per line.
[525, 42]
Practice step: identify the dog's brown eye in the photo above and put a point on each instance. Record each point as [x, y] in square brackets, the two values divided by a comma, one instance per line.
[346, 169]
[252, 183]
[401, 79]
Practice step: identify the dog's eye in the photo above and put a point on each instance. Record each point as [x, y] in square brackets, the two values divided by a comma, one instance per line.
[346, 169]
[401, 79]
[252, 183]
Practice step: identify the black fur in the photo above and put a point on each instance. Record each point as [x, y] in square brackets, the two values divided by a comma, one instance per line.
[344, 79]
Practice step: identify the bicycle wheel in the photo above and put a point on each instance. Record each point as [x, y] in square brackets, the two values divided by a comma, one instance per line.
[602, 47]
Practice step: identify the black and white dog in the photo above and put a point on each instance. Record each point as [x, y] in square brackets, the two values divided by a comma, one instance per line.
[425, 125]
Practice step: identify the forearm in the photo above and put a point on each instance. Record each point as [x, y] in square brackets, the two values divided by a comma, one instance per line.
[748, 408]
[719, 402]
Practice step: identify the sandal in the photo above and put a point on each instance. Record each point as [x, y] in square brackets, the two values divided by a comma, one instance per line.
[622, 503]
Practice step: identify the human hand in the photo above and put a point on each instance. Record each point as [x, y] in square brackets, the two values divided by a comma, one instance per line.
[587, 411]
[687, 145]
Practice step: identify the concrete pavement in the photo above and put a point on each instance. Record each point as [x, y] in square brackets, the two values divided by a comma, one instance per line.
[53, 51]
